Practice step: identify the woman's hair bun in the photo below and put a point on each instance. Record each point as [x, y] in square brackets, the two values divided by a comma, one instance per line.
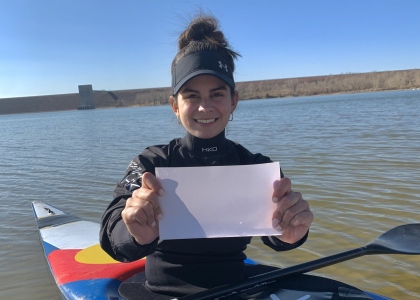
[202, 29]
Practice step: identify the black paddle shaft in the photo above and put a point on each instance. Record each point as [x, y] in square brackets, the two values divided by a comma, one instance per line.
[270, 277]
[404, 239]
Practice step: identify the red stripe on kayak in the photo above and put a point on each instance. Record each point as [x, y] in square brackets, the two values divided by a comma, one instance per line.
[66, 269]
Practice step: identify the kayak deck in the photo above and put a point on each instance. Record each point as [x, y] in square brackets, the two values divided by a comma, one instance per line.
[78, 264]
[81, 269]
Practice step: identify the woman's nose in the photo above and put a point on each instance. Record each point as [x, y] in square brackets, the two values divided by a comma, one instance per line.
[205, 105]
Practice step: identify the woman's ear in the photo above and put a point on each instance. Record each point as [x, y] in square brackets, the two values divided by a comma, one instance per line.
[174, 105]
[235, 99]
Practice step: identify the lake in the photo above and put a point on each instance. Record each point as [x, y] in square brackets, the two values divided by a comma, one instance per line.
[354, 157]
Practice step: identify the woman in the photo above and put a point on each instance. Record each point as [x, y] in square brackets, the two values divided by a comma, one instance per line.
[203, 99]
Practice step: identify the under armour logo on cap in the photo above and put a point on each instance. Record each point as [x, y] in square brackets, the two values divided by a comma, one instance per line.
[223, 66]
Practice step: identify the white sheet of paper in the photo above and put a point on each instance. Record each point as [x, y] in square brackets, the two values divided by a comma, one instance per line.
[222, 201]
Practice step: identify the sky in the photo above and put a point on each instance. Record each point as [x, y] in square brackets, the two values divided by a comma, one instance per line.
[52, 46]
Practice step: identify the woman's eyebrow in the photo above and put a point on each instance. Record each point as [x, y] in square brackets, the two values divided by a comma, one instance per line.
[222, 87]
[188, 90]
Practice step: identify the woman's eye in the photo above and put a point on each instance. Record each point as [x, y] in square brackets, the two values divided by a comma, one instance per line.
[216, 95]
[192, 96]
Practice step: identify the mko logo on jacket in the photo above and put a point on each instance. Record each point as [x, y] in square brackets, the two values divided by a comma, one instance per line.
[210, 149]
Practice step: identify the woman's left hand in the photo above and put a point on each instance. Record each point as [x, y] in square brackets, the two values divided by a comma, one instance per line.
[292, 217]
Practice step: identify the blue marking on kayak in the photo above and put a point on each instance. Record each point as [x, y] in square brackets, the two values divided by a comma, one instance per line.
[48, 248]
[376, 296]
[98, 289]
[250, 262]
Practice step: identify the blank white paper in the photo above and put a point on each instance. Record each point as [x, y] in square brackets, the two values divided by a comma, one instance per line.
[221, 201]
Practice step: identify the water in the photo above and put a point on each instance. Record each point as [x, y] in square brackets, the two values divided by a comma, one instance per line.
[356, 158]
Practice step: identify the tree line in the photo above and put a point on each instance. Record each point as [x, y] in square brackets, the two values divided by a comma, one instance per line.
[275, 88]
[332, 84]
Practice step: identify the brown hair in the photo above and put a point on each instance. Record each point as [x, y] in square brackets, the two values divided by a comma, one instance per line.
[203, 34]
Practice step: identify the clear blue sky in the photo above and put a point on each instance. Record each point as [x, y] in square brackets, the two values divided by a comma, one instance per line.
[51, 46]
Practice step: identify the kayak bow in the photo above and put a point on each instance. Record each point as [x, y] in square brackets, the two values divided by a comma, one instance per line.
[82, 270]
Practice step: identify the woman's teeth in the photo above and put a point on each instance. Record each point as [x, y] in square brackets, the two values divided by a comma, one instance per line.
[206, 121]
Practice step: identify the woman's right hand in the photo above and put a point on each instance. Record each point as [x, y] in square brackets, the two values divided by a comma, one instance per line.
[142, 212]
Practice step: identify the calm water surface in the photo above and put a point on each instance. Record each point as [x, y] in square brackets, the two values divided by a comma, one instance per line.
[356, 158]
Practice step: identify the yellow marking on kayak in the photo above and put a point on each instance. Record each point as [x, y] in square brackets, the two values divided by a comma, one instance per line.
[94, 255]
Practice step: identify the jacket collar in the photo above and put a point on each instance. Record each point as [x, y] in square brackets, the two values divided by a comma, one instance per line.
[212, 147]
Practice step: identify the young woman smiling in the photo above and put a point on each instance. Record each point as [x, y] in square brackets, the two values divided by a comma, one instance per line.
[204, 105]
[203, 99]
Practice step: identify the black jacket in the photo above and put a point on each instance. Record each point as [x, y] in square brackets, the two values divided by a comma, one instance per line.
[175, 262]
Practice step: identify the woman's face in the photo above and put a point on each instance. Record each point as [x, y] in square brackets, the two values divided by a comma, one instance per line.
[204, 105]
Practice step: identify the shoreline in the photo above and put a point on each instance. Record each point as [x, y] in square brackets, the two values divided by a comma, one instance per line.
[263, 89]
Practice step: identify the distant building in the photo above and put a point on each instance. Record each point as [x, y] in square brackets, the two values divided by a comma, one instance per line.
[86, 97]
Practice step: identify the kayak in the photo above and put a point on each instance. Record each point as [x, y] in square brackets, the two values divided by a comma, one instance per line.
[82, 270]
